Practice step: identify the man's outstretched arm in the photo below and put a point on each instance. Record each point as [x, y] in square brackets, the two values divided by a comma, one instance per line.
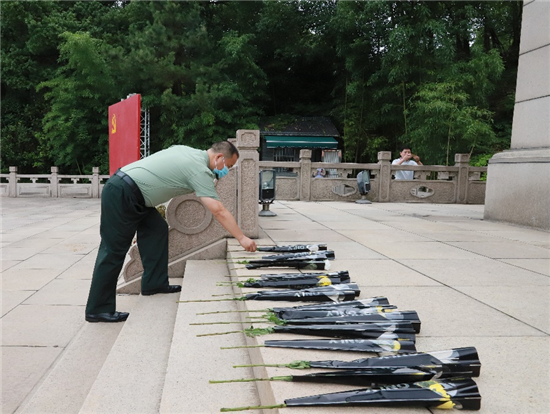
[227, 220]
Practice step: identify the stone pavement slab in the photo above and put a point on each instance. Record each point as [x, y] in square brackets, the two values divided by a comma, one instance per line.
[22, 368]
[541, 266]
[478, 272]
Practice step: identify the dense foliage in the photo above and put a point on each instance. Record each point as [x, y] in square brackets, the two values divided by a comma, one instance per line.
[439, 75]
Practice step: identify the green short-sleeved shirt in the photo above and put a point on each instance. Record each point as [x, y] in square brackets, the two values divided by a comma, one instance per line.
[172, 172]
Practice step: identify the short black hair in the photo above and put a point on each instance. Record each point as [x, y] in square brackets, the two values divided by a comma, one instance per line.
[404, 147]
[226, 148]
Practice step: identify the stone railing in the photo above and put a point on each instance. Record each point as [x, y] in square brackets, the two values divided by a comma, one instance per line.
[52, 185]
[460, 183]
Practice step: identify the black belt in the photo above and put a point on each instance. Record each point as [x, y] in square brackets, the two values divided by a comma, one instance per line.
[128, 180]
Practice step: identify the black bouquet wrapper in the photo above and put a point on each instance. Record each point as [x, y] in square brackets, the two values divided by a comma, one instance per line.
[307, 295]
[329, 254]
[365, 331]
[296, 248]
[295, 282]
[342, 274]
[456, 360]
[354, 345]
[367, 318]
[316, 264]
[460, 393]
[379, 376]
[360, 303]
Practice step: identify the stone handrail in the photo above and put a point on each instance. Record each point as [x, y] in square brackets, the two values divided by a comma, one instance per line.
[52, 185]
[460, 183]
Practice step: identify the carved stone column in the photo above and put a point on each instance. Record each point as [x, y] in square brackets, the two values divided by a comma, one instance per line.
[384, 176]
[305, 175]
[461, 161]
[517, 179]
[248, 183]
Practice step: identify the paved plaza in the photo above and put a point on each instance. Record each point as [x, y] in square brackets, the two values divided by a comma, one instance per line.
[472, 282]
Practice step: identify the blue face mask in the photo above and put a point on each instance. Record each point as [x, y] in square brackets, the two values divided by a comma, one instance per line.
[223, 172]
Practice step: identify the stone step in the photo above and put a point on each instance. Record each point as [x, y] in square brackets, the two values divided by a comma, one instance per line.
[65, 387]
[132, 376]
[195, 360]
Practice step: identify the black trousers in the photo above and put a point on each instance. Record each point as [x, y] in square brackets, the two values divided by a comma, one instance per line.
[123, 213]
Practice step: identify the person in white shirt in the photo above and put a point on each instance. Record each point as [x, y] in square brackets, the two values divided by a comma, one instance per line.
[406, 158]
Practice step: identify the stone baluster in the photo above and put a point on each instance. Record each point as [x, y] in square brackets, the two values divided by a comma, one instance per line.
[384, 178]
[12, 191]
[248, 182]
[305, 175]
[95, 182]
[461, 161]
[54, 182]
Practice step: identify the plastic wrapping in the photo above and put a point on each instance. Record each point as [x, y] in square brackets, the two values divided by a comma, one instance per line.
[456, 360]
[329, 254]
[319, 263]
[337, 293]
[454, 393]
[410, 316]
[366, 331]
[342, 274]
[295, 248]
[360, 303]
[377, 376]
[295, 282]
[355, 345]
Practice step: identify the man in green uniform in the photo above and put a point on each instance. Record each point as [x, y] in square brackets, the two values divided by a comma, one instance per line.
[128, 205]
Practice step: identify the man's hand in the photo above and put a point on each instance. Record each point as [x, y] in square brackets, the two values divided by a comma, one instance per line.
[248, 244]
[228, 222]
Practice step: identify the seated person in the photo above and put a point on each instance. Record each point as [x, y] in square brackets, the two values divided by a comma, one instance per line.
[320, 173]
[406, 158]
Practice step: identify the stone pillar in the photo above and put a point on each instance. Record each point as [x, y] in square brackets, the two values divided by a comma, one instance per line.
[54, 182]
[384, 176]
[95, 182]
[518, 190]
[305, 175]
[461, 161]
[248, 183]
[12, 189]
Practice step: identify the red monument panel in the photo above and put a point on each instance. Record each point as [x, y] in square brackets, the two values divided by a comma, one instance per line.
[124, 132]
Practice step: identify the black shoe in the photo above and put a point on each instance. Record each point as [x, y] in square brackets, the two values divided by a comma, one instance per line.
[107, 317]
[165, 289]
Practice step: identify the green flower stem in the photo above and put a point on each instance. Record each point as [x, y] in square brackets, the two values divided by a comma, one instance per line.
[214, 323]
[253, 332]
[220, 333]
[233, 311]
[281, 378]
[210, 300]
[242, 276]
[242, 346]
[292, 365]
[253, 407]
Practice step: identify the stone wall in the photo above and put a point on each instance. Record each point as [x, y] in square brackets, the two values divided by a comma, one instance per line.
[517, 187]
